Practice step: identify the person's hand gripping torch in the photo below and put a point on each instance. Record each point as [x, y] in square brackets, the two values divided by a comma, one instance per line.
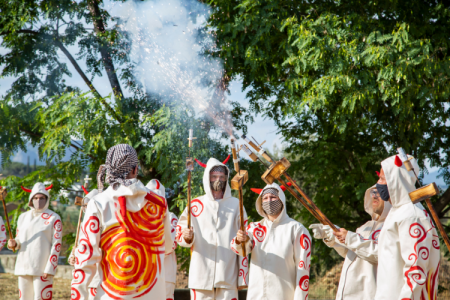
[189, 169]
[424, 193]
[276, 170]
[237, 183]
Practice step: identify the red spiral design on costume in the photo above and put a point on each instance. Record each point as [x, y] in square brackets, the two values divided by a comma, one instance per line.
[424, 253]
[179, 233]
[47, 292]
[74, 294]
[305, 243]
[132, 251]
[375, 234]
[93, 291]
[304, 283]
[54, 261]
[301, 264]
[196, 209]
[20, 294]
[243, 275]
[77, 273]
[92, 226]
[244, 262]
[58, 247]
[44, 279]
[259, 233]
[435, 244]
[46, 217]
[58, 229]
[3, 228]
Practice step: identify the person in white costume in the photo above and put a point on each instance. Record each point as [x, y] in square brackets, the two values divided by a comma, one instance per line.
[360, 250]
[96, 281]
[2, 234]
[215, 271]
[38, 241]
[170, 260]
[123, 235]
[280, 248]
[408, 244]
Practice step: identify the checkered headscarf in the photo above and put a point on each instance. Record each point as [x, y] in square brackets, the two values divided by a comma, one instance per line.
[221, 169]
[120, 160]
[272, 191]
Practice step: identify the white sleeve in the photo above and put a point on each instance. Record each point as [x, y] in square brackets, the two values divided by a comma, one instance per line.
[2, 234]
[182, 224]
[366, 249]
[302, 258]
[52, 260]
[248, 245]
[173, 231]
[87, 254]
[336, 245]
[415, 244]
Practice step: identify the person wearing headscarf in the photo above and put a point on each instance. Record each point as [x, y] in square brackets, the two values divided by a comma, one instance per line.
[408, 245]
[123, 236]
[360, 249]
[2, 234]
[280, 248]
[215, 272]
[38, 241]
[96, 281]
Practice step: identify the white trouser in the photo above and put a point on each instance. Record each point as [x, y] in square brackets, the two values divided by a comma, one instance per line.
[170, 289]
[215, 294]
[92, 293]
[35, 287]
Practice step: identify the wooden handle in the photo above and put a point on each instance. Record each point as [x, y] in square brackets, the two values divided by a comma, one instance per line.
[424, 193]
[314, 208]
[189, 200]
[78, 227]
[241, 217]
[437, 221]
[4, 193]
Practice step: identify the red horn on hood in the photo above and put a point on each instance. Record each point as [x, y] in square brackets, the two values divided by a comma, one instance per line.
[378, 173]
[283, 188]
[85, 190]
[25, 189]
[227, 159]
[398, 161]
[200, 163]
[258, 191]
[49, 187]
[157, 184]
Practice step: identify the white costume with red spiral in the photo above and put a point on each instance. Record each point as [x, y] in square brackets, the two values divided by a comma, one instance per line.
[123, 239]
[170, 261]
[3, 240]
[38, 238]
[359, 272]
[215, 222]
[281, 254]
[408, 245]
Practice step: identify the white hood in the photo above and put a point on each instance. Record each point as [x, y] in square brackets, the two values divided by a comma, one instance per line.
[134, 193]
[39, 188]
[282, 196]
[212, 162]
[368, 206]
[400, 182]
[155, 186]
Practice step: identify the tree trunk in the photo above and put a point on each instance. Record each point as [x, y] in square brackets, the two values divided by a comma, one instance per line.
[99, 29]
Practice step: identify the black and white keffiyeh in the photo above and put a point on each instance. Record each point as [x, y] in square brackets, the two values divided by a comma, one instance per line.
[221, 169]
[272, 191]
[120, 160]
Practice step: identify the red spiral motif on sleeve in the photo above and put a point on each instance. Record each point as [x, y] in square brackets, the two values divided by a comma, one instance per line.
[416, 273]
[196, 207]
[173, 224]
[92, 225]
[54, 261]
[58, 229]
[58, 247]
[47, 292]
[259, 233]
[3, 228]
[304, 283]
[305, 243]
[46, 217]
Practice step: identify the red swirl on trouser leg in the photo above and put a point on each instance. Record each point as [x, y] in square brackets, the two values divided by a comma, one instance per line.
[131, 262]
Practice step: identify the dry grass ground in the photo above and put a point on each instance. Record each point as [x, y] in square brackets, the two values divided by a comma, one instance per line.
[9, 288]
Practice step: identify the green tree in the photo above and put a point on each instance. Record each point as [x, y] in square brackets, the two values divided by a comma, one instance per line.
[347, 82]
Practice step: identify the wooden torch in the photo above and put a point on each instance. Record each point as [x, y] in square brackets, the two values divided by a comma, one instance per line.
[275, 170]
[189, 169]
[424, 193]
[237, 183]
[3, 193]
[80, 202]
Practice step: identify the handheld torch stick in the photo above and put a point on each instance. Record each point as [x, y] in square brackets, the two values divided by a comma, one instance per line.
[238, 182]
[3, 193]
[424, 193]
[278, 168]
[189, 169]
[80, 202]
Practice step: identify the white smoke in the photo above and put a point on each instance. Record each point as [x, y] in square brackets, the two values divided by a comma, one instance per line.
[167, 53]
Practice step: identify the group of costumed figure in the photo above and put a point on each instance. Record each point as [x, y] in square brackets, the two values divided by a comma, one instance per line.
[126, 247]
